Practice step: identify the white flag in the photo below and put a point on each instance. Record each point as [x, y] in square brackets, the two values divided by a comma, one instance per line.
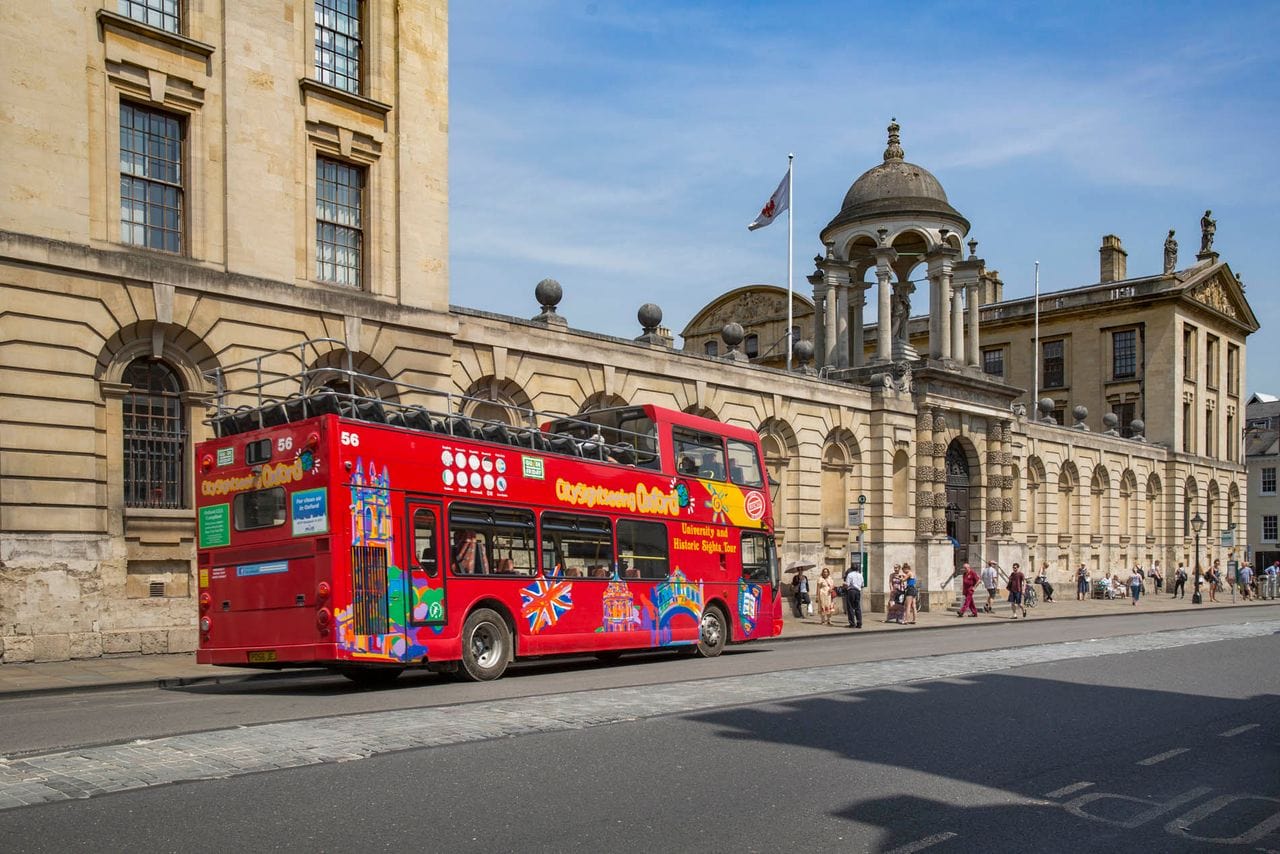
[778, 202]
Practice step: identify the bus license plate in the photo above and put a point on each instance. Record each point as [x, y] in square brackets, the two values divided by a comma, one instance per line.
[260, 656]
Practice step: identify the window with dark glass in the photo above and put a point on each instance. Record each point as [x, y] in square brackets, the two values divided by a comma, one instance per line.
[488, 540]
[698, 454]
[1055, 369]
[162, 14]
[1188, 430]
[1188, 352]
[759, 559]
[261, 508]
[1125, 412]
[1268, 486]
[338, 44]
[339, 222]
[1211, 361]
[642, 546]
[1233, 369]
[1209, 446]
[744, 464]
[993, 362]
[1124, 354]
[155, 437]
[751, 346]
[1269, 529]
[577, 546]
[151, 178]
[711, 348]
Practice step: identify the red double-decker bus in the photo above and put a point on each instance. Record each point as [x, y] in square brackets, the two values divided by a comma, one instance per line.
[370, 534]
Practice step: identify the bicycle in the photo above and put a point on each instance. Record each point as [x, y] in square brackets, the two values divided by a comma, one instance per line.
[1030, 598]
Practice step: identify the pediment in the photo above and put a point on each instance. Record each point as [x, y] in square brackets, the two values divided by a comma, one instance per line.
[748, 305]
[1221, 292]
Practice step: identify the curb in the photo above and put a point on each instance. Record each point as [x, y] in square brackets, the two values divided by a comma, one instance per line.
[158, 682]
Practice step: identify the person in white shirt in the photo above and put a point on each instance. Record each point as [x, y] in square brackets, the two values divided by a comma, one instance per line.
[853, 596]
[990, 580]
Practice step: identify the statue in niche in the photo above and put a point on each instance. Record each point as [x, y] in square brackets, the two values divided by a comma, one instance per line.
[901, 310]
[1208, 225]
[1170, 253]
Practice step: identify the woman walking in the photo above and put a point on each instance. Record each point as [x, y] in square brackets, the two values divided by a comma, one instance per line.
[911, 590]
[1135, 585]
[826, 596]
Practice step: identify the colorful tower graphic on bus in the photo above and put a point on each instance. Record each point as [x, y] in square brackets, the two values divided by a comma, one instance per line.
[620, 612]
[370, 506]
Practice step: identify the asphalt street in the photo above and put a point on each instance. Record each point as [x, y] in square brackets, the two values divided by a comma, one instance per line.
[1153, 742]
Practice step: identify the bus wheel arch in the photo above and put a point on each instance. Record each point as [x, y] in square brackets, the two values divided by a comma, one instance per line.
[488, 642]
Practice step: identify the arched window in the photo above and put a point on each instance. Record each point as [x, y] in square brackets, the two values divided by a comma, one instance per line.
[835, 487]
[155, 437]
[901, 484]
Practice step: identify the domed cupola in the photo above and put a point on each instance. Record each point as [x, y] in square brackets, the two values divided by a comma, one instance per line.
[896, 188]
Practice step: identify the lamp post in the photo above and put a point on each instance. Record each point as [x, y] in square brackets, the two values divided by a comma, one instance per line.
[1197, 524]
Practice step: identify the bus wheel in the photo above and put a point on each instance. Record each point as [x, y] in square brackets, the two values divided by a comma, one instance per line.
[371, 677]
[486, 646]
[714, 633]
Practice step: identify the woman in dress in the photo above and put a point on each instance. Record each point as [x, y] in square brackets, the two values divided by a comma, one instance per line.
[911, 589]
[826, 596]
[893, 613]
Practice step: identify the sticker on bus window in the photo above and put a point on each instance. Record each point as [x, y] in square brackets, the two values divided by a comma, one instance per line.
[310, 512]
[215, 526]
[226, 456]
[533, 468]
[272, 568]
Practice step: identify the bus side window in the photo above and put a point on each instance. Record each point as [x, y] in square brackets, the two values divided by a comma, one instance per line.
[757, 558]
[643, 546]
[424, 541]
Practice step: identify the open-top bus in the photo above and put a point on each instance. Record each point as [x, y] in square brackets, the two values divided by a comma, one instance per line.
[341, 523]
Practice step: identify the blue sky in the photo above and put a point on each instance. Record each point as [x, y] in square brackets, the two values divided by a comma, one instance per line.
[622, 147]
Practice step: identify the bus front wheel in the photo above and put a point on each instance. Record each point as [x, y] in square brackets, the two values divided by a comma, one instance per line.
[713, 633]
[486, 646]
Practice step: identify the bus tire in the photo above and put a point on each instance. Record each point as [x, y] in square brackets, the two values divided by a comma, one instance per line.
[713, 633]
[370, 677]
[486, 646]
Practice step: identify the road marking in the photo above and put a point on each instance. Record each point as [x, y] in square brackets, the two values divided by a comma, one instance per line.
[1168, 754]
[1067, 790]
[922, 844]
[1231, 732]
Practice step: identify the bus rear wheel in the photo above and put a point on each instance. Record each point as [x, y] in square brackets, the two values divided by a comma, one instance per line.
[713, 633]
[370, 677]
[486, 646]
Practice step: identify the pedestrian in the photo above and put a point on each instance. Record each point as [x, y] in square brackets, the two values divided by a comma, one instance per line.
[897, 599]
[800, 594]
[1272, 579]
[1157, 577]
[1217, 571]
[826, 597]
[1211, 577]
[1180, 582]
[1043, 580]
[990, 580]
[1014, 586]
[853, 596]
[968, 582]
[910, 589]
[1082, 583]
[1246, 582]
[1135, 584]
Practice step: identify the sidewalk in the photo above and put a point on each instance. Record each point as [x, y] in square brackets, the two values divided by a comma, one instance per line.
[171, 670]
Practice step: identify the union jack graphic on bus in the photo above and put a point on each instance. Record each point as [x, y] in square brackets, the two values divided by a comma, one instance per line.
[545, 602]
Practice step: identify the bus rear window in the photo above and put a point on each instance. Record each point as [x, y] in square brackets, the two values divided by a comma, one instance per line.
[263, 508]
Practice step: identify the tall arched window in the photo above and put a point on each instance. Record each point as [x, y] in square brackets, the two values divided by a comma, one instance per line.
[155, 437]
[901, 484]
[835, 487]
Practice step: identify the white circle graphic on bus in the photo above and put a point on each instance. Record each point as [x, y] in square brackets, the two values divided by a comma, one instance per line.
[474, 462]
[475, 480]
[502, 484]
[486, 464]
[500, 464]
[446, 458]
[447, 477]
[488, 481]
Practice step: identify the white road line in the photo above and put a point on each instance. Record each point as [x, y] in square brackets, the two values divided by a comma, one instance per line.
[1168, 754]
[1067, 790]
[1229, 733]
[922, 844]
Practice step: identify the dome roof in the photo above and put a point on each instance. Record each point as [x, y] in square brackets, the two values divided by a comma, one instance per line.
[894, 187]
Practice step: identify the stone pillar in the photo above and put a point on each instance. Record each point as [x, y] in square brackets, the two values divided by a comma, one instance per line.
[832, 341]
[924, 475]
[957, 325]
[939, 332]
[972, 356]
[993, 482]
[1009, 496]
[858, 301]
[820, 324]
[842, 325]
[884, 309]
[939, 472]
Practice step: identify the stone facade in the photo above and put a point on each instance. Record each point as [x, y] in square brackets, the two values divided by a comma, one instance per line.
[1262, 448]
[950, 460]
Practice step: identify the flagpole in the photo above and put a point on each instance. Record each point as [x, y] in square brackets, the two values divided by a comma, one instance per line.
[791, 189]
[1035, 353]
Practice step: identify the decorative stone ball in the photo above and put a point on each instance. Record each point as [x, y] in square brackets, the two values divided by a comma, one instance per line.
[1046, 406]
[1110, 420]
[732, 334]
[803, 350]
[649, 315]
[548, 293]
[1138, 426]
[1081, 412]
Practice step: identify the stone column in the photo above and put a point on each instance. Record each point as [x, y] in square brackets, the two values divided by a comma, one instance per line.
[939, 472]
[1008, 496]
[957, 325]
[842, 325]
[858, 300]
[939, 332]
[832, 337]
[993, 482]
[972, 356]
[820, 324]
[884, 310]
[924, 475]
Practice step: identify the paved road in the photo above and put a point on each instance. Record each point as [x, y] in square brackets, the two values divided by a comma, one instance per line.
[1152, 742]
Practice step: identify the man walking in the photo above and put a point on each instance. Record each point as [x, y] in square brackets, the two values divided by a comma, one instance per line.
[1272, 579]
[990, 580]
[853, 596]
[1180, 583]
[1082, 583]
[1015, 586]
[1246, 582]
[969, 581]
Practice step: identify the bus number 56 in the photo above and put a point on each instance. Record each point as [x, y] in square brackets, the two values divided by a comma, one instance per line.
[352, 439]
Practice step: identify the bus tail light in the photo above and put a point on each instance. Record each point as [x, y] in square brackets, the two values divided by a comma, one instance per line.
[206, 462]
[205, 600]
[205, 625]
[322, 590]
[313, 441]
[323, 618]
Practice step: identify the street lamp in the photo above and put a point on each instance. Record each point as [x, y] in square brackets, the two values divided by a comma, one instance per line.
[1196, 525]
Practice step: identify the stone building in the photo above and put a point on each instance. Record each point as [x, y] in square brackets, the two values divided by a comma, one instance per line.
[193, 185]
[1262, 458]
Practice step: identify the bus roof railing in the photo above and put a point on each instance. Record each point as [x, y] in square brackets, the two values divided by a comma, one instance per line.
[300, 381]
